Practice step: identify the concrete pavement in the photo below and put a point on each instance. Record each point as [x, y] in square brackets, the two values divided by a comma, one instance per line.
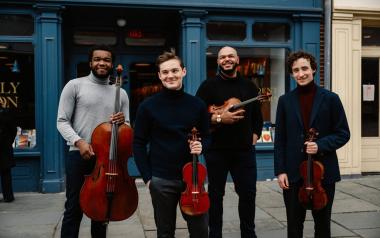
[356, 213]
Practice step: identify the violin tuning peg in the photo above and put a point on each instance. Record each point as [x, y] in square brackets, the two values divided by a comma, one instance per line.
[119, 69]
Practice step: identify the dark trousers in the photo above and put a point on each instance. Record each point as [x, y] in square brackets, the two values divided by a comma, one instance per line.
[296, 213]
[6, 185]
[76, 168]
[165, 197]
[242, 167]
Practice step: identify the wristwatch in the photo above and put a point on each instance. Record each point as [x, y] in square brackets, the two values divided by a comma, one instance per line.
[218, 118]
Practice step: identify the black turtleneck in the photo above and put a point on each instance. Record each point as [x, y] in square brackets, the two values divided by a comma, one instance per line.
[216, 91]
[306, 97]
[164, 121]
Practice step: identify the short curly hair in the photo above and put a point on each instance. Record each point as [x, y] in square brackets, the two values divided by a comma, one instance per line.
[100, 47]
[301, 54]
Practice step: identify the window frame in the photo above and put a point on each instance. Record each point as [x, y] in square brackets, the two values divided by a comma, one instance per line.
[35, 151]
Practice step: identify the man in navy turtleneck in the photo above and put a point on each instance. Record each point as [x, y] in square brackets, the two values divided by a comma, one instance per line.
[163, 123]
[308, 106]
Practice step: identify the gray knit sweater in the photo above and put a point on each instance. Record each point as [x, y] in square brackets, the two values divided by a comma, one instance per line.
[84, 104]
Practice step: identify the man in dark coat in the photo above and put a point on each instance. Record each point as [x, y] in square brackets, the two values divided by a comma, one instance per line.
[8, 132]
[308, 106]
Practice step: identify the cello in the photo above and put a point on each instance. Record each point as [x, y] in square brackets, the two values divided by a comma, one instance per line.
[109, 193]
[194, 200]
[312, 195]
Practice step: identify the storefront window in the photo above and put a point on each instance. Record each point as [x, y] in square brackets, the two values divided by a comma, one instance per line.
[144, 83]
[370, 97]
[226, 30]
[267, 31]
[371, 36]
[16, 25]
[17, 93]
[266, 68]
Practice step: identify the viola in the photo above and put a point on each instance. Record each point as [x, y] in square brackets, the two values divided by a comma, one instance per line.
[312, 195]
[194, 200]
[234, 104]
[109, 193]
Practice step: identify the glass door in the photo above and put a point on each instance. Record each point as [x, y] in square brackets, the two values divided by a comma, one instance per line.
[370, 114]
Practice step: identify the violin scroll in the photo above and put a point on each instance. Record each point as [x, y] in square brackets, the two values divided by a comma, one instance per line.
[312, 135]
[194, 135]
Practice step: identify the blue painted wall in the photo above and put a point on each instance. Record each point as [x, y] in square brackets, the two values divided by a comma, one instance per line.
[42, 169]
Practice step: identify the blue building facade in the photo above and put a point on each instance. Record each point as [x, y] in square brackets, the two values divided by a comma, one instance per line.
[44, 44]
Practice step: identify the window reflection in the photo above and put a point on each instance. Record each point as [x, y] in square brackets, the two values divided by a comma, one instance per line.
[268, 31]
[266, 68]
[371, 36]
[224, 30]
[94, 38]
[16, 25]
[17, 93]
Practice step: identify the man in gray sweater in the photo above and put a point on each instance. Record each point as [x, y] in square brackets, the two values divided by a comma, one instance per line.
[84, 104]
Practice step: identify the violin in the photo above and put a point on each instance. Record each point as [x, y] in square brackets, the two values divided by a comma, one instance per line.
[109, 193]
[312, 195]
[233, 104]
[194, 200]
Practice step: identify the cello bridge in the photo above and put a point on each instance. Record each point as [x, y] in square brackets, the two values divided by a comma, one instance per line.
[111, 174]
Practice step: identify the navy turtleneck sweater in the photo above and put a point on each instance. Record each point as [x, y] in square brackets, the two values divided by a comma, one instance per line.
[306, 97]
[163, 123]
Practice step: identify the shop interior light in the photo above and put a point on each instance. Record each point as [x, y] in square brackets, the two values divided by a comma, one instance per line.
[15, 68]
[3, 47]
[121, 22]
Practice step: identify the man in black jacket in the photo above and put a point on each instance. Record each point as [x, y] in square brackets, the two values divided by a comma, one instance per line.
[163, 122]
[308, 106]
[234, 136]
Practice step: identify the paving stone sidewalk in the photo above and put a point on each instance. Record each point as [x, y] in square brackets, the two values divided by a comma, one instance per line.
[356, 213]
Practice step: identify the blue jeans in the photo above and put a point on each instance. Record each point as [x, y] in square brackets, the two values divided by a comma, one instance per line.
[242, 166]
[76, 168]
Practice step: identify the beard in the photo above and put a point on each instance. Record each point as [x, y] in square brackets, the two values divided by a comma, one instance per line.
[101, 76]
[228, 71]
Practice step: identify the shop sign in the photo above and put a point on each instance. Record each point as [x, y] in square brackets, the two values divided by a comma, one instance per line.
[8, 94]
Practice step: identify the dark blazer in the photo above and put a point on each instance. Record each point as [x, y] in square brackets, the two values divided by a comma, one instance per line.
[8, 132]
[327, 117]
